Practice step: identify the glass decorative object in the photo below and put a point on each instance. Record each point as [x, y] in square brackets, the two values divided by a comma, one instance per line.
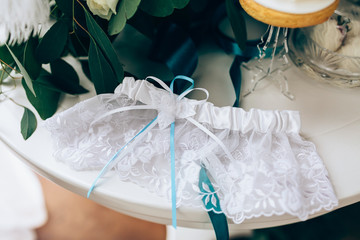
[281, 15]
[275, 47]
[330, 51]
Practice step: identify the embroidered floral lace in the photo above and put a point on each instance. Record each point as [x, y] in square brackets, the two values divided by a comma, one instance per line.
[275, 171]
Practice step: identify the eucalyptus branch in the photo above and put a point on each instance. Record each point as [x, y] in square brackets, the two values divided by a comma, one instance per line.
[91, 37]
[9, 66]
[81, 44]
[2, 76]
[81, 27]
[73, 15]
[1, 83]
[80, 24]
[12, 100]
[73, 27]
[53, 10]
[82, 5]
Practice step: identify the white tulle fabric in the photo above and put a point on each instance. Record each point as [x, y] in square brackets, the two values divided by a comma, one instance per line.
[274, 172]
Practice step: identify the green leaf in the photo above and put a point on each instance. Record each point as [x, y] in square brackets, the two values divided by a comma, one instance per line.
[28, 123]
[105, 45]
[6, 56]
[101, 72]
[78, 45]
[64, 71]
[46, 80]
[23, 71]
[237, 22]
[125, 10]
[85, 68]
[52, 44]
[162, 8]
[66, 78]
[66, 6]
[143, 23]
[31, 64]
[52, 82]
[46, 100]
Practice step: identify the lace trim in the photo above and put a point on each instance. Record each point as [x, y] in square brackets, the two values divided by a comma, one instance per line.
[273, 172]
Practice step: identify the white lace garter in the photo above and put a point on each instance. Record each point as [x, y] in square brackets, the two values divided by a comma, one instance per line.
[272, 169]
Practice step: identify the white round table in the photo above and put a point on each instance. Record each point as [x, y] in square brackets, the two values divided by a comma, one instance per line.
[330, 118]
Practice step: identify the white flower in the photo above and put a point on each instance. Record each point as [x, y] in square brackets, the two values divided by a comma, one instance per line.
[171, 108]
[21, 18]
[102, 8]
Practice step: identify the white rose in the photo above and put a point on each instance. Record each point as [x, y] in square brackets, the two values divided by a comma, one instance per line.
[102, 8]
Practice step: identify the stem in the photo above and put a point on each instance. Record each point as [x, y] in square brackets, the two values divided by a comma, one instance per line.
[11, 99]
[81, 26]
[73, 16]
[81, 4]
[9, 66]
[92, 38]
[81, 44]
[2, 76]
[53, 11]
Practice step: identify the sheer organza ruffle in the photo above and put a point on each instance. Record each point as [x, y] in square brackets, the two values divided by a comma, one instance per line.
[274, 171]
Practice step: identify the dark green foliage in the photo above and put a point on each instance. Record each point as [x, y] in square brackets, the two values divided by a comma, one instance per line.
[46, 99]
[162, 8]
[53, 43]
[28, 123]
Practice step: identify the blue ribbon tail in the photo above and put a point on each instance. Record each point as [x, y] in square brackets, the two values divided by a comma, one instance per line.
[103, 171]
[173, 186]
[109, 165]
[90, 190]
[172, 149]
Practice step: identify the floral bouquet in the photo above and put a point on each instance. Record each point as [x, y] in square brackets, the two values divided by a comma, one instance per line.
[35, 35]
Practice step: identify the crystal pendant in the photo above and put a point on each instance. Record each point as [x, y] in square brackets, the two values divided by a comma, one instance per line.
[275, 46]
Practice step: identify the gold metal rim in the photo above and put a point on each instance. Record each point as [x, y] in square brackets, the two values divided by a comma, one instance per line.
[283, 19]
